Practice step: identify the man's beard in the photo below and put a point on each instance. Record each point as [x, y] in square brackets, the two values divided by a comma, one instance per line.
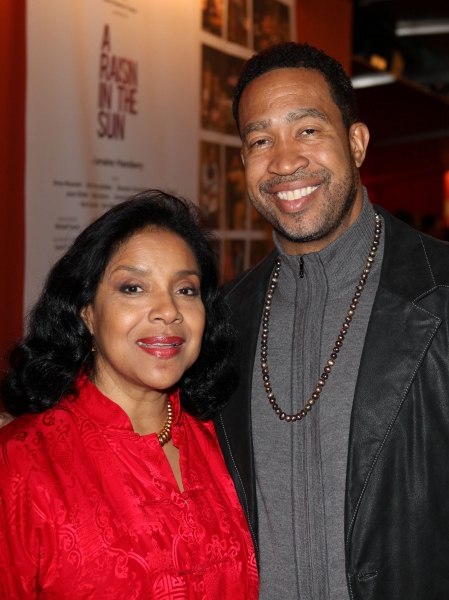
[339, 199]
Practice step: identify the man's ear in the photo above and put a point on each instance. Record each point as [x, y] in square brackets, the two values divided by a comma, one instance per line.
[242, 157]
[358, 142]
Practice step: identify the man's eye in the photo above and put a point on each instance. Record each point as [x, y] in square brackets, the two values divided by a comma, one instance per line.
[307, 132]
[258, 143]
[131, 289]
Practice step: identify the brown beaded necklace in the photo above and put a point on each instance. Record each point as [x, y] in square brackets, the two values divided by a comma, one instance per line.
[164, 434]
[338, 344]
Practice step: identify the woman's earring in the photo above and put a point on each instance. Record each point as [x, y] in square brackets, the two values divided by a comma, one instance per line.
[93, 349]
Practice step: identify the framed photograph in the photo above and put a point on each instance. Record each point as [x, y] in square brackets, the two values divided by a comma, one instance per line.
[238, 23]
[213, 16]
[219, 76]
[271, 23]
[235, 190]
[210, 180]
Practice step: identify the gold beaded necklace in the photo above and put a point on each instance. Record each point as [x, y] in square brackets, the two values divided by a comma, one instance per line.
[164, 434]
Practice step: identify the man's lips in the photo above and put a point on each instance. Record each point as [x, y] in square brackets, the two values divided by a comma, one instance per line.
[298, 187]
[161, 346]
[296, 194]
[293, 196]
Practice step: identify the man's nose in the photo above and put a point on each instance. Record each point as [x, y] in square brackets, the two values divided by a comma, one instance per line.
[288, 156]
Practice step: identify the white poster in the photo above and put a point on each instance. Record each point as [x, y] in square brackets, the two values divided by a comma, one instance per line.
[112, 108]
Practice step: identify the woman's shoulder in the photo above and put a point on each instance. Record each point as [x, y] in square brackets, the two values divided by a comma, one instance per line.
[204, 434]
[203, 428]
[31, 441]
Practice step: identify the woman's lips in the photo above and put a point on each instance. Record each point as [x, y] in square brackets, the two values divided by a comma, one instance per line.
[161, 346]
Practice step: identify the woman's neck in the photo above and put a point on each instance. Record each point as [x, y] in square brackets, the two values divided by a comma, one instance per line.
[146, 409]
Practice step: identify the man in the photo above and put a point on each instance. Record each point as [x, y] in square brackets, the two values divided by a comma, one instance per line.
[337, 437]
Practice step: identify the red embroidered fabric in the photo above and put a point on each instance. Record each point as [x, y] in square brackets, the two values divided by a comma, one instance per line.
[90, 509]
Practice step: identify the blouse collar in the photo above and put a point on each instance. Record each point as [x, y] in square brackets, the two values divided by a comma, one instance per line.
[108, 415]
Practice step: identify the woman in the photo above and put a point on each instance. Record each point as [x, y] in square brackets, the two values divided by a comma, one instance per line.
[112, 482]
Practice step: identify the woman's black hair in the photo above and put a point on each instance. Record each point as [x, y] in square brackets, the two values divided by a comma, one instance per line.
[45, 364]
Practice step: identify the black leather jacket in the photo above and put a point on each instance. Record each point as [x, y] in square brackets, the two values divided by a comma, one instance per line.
[397, 484]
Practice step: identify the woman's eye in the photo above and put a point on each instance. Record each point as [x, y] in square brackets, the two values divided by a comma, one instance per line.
[188, 291]
[131, 289]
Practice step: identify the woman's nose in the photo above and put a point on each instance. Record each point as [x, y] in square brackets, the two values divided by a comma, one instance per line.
[164, 308]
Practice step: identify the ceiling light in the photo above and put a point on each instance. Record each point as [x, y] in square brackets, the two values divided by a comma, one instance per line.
[424, 27]
[371, 80]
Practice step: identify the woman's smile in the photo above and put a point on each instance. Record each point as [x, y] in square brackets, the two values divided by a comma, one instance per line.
[161, 346]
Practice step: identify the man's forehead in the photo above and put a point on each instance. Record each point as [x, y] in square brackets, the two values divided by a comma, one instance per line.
[294, 75]
[280, 83]
[298, 92]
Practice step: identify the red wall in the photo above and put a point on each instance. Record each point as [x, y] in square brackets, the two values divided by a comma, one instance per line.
[327, 25]
[12, 169]
[420, 195]
[407, 177]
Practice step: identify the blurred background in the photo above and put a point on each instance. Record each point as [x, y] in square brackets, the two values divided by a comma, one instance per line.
[102, 98]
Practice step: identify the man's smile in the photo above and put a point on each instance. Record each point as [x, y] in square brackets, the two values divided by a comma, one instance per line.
[296, 194]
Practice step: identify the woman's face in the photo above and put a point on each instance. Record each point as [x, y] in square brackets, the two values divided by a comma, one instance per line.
[147, 317]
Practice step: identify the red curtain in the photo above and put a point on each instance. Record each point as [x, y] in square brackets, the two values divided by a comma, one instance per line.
[12, 170]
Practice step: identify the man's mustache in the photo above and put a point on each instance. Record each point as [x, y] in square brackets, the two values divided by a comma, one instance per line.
[297, 176]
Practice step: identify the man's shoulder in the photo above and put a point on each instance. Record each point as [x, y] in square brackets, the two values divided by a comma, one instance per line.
[437, 254]
[417, 251]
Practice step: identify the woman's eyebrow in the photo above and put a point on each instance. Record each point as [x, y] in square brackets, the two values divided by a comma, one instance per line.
[186, 272]
[137, 270]
[142, 271]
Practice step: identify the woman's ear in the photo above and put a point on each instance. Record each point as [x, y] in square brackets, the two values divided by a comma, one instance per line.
[86, 315]
[358, 142]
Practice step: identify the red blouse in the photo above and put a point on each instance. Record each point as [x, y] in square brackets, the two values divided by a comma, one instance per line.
[90, 509]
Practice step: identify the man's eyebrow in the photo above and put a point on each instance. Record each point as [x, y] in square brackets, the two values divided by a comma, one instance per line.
[302, 113]
[255, 126]
[294, 115]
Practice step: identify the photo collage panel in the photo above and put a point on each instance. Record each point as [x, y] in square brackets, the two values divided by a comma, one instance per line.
[233, 31]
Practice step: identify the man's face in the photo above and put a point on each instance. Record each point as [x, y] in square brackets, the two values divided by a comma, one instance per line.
[301, 163]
